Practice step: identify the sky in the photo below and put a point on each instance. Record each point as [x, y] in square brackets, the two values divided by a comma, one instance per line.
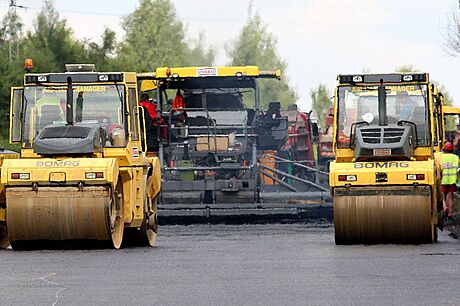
[318, 39]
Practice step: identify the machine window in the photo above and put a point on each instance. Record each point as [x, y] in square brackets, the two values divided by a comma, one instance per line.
[134, 113]
[102, 105]
[360, 105]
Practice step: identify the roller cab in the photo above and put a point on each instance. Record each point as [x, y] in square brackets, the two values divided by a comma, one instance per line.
[384, 181]
[83, 177]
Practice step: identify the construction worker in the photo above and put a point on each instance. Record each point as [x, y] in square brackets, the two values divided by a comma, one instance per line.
[178, 109]
[151, 123]
[406, 105]
[456, 140]
[178, 102]
[449, 178]
[150, 107]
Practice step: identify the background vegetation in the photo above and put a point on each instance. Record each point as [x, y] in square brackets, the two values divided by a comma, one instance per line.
[153, 37]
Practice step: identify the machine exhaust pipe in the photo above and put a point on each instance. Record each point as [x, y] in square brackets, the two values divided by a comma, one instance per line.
[382, 106]
[69, 102]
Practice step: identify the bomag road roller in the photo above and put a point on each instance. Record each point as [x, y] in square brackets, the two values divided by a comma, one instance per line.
[83, 175]
[384, 180]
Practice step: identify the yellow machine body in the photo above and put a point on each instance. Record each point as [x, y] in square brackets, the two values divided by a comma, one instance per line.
[384, 195]
[228, 71]
[451, 122]
[4, 242]
[105, 195]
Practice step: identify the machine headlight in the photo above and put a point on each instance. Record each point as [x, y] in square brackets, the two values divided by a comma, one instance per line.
[415, 177]
[347, 178]
[408, 78]
[94, 175]
[20, 176]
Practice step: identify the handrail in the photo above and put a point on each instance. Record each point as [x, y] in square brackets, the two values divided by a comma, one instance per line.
[299, 165]
[293, 177]
[144, 131]
[279, 181]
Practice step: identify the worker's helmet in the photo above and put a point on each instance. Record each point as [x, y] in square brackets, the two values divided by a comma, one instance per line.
[448, 146]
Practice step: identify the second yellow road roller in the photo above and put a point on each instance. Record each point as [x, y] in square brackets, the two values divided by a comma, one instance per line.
[83, 175]
[384, 181]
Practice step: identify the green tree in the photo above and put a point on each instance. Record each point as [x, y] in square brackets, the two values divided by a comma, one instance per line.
[10, 67]
[255, 45]
[155, 37]
[198, 55]
[51, 45]
[321, 102]
[102, 55]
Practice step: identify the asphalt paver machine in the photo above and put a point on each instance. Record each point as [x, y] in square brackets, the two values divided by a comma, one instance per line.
[215, 136]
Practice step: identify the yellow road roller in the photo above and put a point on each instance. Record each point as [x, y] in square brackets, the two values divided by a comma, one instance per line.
[83, 175]
[384, 181]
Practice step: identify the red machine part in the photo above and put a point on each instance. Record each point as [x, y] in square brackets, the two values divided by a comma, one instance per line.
[300, 140]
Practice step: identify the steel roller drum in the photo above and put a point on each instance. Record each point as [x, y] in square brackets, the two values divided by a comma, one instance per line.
[383, 216]
[60, 214]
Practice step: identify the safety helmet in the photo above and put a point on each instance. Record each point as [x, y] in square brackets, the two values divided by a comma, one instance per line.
[448, 146]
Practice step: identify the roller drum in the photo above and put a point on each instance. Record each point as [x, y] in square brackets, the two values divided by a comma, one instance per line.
[384, 215]
[58, 213]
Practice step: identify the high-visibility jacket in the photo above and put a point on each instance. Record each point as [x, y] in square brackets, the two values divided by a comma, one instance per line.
[449, 168]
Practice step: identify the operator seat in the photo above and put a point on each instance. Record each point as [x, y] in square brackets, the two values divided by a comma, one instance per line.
[418, 117]
[272, 114]
[50, 114]
[151, 132]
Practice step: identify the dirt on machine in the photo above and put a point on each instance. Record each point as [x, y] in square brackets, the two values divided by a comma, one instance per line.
[385, 179]
[83, 177]
[218, 148]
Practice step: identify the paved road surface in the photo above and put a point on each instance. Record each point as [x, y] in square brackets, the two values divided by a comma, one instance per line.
[237, 265]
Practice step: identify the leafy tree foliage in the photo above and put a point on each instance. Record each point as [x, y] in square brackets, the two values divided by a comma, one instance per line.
[256, 46]
[321, 102]
[51, 44]
[155, 37]
[102, 55]
[10, 66]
